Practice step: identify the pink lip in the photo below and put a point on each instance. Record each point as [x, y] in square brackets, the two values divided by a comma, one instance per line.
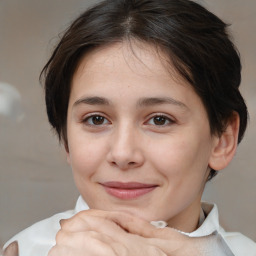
[127, 190]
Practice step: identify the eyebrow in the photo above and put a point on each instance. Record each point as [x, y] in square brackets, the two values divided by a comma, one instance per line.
[92, 101]
[143, 102]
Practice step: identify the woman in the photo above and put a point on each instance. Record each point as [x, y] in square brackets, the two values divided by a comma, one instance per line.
[144, 96]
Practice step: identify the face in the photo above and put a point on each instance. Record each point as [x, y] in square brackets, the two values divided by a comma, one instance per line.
[138, 136]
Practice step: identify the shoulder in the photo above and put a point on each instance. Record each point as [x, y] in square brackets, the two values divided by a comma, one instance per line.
[40, 237]
[239, 244]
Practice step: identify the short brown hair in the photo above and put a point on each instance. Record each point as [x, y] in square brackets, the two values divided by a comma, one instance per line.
[195, 40]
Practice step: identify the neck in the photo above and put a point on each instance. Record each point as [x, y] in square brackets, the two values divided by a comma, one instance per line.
[188, 220]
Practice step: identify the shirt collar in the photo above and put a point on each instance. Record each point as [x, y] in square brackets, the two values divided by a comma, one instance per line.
[81, 205]
[211, 223]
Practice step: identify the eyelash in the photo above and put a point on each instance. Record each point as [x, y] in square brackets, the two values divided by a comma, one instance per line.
[87, 122]
[161, 118]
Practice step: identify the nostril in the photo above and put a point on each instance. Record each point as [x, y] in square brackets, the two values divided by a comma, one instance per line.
[123, 166]
[113, 163]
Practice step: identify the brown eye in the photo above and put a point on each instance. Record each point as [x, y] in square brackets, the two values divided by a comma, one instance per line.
[96, 120]
[159, 120]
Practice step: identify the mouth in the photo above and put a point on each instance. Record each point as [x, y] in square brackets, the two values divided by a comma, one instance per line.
[127, 190]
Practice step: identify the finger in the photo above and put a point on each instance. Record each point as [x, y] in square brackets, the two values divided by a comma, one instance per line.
[80, 238]
[85, 243]
[89, 222]
[103, 228]
[168, 240]
[126, 221]
[165, 241]
[95, 243]
[12, 249]
[96, 227]
[136, 225]
[83, 221]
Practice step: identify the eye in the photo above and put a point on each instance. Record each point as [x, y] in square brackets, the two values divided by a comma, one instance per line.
[160, 120]
[96, 120]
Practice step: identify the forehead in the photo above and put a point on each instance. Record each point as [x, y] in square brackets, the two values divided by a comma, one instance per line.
[136, 68]
[138, 57]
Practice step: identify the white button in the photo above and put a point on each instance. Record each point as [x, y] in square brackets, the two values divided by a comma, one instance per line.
[159, 224]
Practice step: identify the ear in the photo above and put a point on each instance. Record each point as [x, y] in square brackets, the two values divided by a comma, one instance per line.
[224, 146]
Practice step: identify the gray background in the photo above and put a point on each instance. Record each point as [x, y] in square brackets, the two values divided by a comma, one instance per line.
[35, 181]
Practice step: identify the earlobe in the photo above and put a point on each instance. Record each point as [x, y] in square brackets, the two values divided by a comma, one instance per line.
[225, 145]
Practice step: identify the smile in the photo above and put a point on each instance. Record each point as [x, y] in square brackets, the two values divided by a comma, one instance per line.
[129, 190]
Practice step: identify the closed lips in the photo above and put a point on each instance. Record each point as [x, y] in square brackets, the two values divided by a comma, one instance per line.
[127, 190]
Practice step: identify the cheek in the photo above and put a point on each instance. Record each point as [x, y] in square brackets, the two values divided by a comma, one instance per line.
[170, 156]
[183, 164]
[181, 160]
[85, 156]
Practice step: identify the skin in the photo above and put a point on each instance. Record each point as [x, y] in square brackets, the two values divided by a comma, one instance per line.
[96, 232]
[12, 249]
[132, 118]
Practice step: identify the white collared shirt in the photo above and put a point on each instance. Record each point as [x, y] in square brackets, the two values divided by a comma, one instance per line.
[38, 239]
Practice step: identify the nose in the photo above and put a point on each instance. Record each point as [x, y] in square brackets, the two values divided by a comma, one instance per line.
[125, 151]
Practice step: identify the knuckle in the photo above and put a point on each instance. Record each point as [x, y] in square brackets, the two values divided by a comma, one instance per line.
[93, 234]
[65, 223]
[62, 222]
[60, 236]
[81, 214]
[82, 217]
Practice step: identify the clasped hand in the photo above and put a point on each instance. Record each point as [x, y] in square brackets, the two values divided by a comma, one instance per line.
[102, 233]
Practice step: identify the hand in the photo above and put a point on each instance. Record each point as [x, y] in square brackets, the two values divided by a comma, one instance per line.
[170, 241]
[12, 249]
[101, 233]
